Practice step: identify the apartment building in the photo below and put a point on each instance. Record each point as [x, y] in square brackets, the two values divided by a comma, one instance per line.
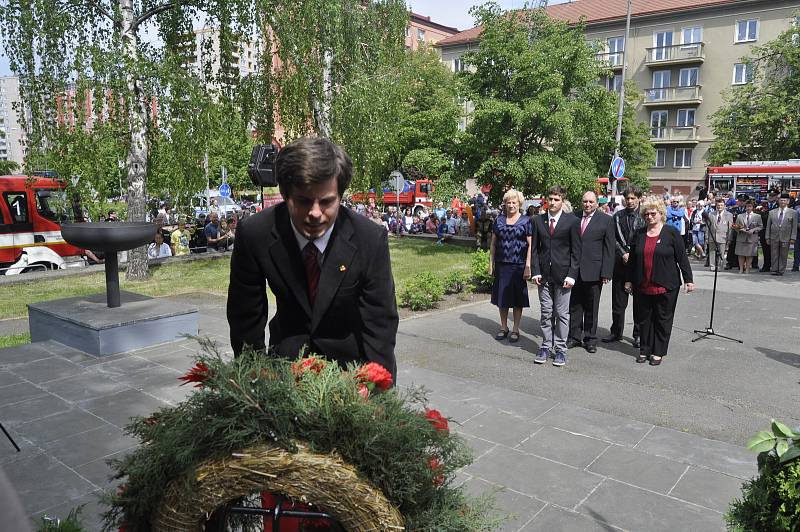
[682, 54]
[421, 30]
[202, 49]
[12, 137]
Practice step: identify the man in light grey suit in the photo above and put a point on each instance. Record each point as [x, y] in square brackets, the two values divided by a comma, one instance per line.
[781, 231]
[719, 230]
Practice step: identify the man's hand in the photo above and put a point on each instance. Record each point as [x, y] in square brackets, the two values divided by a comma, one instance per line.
[491, 268]
[629, 287]
[605, 280]
[569, 282]
[537, 279]
[689, 287]
[526, 274]
[625, 258]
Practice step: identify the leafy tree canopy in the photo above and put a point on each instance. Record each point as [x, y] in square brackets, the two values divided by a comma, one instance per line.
[541, 117]
[759, 120]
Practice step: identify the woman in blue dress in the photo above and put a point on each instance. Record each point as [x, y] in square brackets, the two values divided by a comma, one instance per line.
[510, 263]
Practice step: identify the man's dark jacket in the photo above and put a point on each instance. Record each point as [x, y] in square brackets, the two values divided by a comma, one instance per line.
[597, 248]
[354, 318]
[558, 256]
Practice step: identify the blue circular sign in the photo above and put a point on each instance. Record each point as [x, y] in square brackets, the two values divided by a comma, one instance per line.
[618, 167]
[225, 190]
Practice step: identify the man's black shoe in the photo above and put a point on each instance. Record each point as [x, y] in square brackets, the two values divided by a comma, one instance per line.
[573, 343]
[763, 270]
[635, 343]
[796, 269]
[591, 349]
[611, 338]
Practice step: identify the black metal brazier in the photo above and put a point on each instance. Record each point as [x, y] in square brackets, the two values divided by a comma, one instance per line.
[109, 237]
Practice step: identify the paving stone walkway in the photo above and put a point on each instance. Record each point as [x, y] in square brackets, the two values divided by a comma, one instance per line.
[554, 466]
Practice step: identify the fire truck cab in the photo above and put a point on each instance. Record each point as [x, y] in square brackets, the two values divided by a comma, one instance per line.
[32, 210]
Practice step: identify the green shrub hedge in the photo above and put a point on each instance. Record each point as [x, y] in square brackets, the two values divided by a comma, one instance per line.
[480, 271]
[422, 292]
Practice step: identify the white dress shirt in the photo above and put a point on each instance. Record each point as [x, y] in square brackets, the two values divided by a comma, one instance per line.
[321, 242]
[556, 218]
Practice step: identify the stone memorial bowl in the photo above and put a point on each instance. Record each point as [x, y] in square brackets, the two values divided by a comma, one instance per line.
[109, 236]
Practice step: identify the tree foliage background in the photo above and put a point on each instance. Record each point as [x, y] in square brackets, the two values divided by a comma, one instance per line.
[760, 120]
[541, 117]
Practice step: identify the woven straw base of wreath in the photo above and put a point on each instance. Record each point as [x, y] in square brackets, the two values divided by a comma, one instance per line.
[323, 480]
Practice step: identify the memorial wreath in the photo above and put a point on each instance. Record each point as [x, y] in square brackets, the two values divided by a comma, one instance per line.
[342, 441]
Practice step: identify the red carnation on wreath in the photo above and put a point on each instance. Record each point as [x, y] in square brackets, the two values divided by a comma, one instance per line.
[373, 375]
[199, 374]
[307, 364]
[438, 421]
[438, 471]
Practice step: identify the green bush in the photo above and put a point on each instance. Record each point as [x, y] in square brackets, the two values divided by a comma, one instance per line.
[770, 502]
[480, 271]
[422, 292]
[456, 282]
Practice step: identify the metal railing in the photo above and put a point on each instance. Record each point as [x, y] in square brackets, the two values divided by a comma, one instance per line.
[677, 52]
[672, 94]
[610, 59]
[674, 134]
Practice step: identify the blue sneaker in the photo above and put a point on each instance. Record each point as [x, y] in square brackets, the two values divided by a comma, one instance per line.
[561, 359]
[542, 357]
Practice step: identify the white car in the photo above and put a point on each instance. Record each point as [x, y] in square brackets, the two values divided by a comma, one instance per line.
[227, 207]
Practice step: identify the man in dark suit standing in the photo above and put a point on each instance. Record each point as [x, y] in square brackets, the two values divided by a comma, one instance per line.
[556, 256]
[328, 267]
[596, 267]
[626, 222]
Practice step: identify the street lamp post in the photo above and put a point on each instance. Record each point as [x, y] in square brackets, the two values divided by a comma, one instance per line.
[611, 179]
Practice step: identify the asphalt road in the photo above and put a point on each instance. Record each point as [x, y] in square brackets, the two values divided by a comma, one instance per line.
[713, 388]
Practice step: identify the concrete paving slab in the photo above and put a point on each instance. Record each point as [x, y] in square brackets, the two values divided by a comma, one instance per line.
[6, 378]
[479, 446]
[30, 475]
[458, 411]
[89, 446]
[30, 409]
[565, 447]
[125, 366]
[46, 369]
[708, 488]
[49, 429]
[514, 508]
[23, 353]
[99, 472]
[120, 407]
[544, 479]
[606, 427]
[640, 469]
[17, 393]
[633, 508]
[86, 385]
[553, 518]
[500, 427]
[691, 449]
[7, 452]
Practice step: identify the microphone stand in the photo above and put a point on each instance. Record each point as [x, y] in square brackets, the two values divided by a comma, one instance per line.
[709, 331]
[9, 437]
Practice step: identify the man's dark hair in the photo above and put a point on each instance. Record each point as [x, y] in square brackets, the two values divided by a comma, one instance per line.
[557, 190]
[312, 160]
[719, 200]
[785, 196]
[636, 191]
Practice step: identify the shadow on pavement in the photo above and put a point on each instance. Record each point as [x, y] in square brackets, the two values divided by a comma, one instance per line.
[792, 359]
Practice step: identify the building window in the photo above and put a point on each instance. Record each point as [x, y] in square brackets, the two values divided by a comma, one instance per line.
[420, 34]
[614, 83]
[661, 83]
[685, 117]
[658, 124]
[683, 158]
[742, 73]
[693, 35]
[408, 32]
[747, 30]
[458, 65]
[662, 41]
[661, 158]
[616, 48]
[688, 77]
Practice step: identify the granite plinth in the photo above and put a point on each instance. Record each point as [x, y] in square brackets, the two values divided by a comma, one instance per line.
[86, 323]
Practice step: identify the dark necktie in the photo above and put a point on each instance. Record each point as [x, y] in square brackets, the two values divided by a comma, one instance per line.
[552, 226]
[719, 218]
[780, 218]
[311, 262]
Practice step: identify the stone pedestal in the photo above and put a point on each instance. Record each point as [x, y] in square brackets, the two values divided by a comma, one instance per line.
[88, 324]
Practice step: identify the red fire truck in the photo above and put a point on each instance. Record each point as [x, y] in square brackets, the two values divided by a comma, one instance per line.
[756, 178]
[31, 212]
[415, 194]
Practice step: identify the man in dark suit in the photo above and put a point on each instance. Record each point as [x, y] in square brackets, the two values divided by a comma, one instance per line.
[328, 267]
[596, 267]
[626, 222]
[556, 256]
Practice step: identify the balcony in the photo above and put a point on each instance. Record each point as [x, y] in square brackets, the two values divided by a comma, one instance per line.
[674, 135]
[677, 54]
[673, 96]
[610, 60]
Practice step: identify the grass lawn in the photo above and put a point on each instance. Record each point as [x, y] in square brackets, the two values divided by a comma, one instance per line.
[15, 339]
[409, 257]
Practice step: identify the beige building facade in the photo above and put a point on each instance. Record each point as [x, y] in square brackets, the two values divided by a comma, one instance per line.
[683, 55]
[12, 139]
[421, 31]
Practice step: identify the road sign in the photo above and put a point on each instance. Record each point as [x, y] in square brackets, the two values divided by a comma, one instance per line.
[618, 167]
[225, 190]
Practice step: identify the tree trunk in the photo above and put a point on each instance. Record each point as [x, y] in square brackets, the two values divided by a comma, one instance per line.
[322, 106]
[137, 154]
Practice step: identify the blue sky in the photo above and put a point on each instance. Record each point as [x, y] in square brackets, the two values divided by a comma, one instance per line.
[448, 12]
